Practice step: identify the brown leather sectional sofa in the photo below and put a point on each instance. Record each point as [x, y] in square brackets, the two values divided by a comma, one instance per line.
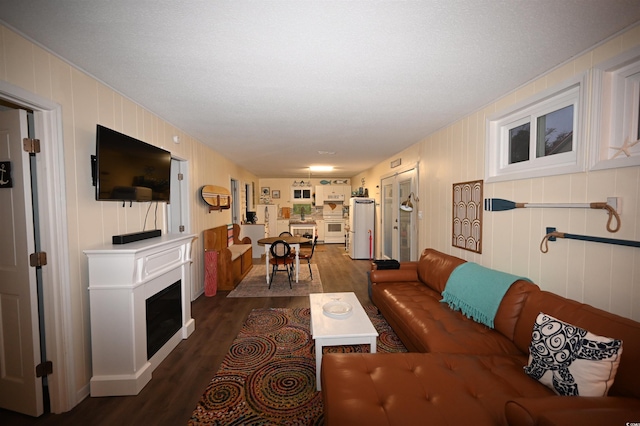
[461, 372]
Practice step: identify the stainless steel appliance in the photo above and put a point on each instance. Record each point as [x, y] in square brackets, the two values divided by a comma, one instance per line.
[334, 231]
[361, 227]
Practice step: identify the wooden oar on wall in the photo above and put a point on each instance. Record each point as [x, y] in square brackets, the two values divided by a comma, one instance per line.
[552, 234]
[499, 204]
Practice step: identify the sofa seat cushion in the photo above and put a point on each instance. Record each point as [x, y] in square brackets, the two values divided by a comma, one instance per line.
[237, 250]
[425, 324]
[423, 388]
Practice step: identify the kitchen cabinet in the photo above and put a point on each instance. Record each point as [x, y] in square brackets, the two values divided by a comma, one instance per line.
[281, 226]
[328, 193]
[320, 229]
[267, 214]
[347, 193]
[319, 194]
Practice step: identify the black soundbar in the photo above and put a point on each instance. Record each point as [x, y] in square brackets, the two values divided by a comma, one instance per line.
[136, 236]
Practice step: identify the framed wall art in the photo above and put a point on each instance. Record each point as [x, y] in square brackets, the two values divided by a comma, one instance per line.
[467, 216]
[275, 193]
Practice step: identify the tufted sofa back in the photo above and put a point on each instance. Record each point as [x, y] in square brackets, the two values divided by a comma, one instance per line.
[524, 301]
[434, 268]
[594, 320]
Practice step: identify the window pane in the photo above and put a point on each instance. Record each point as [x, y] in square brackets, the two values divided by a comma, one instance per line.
[555, 132]
[519, 143]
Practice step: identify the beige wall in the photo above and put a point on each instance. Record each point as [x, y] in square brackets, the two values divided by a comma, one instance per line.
[602, 275]
[84, 103]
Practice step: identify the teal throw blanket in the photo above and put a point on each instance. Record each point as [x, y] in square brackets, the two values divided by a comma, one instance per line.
[477, 291]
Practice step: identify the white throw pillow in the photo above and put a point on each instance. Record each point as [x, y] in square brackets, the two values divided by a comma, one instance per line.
[571, 360]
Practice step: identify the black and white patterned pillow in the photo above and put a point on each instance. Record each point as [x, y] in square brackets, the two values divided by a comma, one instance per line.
[571, 360]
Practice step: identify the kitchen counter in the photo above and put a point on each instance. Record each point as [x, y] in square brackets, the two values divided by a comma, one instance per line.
[255, 232]
[300, 222]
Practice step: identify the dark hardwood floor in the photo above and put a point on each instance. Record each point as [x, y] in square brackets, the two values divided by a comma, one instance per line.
[178, 383]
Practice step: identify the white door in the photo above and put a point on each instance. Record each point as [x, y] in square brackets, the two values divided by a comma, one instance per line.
[178, 208]
[399, 228]
[20, 389]
[235, 201]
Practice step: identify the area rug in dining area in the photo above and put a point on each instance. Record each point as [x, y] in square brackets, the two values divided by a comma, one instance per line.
[268, 377]
[255, 283]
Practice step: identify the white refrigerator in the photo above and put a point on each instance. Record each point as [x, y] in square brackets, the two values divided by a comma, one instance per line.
[362, 213]
[267, 215]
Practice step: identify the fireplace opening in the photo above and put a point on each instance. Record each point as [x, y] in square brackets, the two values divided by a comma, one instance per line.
[164, 317]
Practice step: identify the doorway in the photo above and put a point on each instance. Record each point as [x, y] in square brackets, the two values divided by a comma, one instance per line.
[235, 201]
[178, 207]
[399, 227]
[21, 347]
[52, 217]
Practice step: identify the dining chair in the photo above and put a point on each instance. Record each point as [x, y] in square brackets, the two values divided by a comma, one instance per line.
[288, 234]
[280, 255]
[308, 255]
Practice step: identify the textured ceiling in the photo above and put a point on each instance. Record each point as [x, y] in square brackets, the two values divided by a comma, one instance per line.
[269, 84]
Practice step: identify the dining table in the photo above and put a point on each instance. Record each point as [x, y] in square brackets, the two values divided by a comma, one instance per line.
[293, 241]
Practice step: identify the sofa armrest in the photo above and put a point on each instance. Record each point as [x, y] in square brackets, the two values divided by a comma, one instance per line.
[393, 275]
[409, 264]
[553, 410]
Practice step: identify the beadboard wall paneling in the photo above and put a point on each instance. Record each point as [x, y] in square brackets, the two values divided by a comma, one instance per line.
[86, 102]
[602, 275]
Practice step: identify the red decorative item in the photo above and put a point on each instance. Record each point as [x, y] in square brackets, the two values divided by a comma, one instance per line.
[210, 273]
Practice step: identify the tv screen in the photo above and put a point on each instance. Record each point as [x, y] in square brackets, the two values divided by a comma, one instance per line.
[128, 169]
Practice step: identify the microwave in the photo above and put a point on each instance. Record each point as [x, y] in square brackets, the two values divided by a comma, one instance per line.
[334, 197]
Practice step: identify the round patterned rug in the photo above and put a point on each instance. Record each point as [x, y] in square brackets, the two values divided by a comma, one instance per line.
[268, 377]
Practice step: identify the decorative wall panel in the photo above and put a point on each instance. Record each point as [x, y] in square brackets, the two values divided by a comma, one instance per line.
[467, 216]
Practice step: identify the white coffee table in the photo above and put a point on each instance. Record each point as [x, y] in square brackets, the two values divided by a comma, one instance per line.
[338, 328]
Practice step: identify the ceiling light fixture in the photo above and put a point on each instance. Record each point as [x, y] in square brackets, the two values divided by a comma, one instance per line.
[321, 168]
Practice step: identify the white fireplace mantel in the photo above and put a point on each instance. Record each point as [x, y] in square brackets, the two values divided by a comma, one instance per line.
[121, 278]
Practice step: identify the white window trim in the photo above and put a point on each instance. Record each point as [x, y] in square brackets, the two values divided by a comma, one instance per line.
[497, 168]
[615, 112]
[301, 199]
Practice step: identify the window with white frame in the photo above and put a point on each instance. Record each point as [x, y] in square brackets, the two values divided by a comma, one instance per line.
[538, 137]
[616, 112]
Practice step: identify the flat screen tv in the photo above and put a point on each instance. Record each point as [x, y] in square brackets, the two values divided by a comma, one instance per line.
[127, 169]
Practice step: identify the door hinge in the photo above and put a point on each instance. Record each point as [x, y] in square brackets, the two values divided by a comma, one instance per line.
[181, 228]
[38, 259]
[32, 146]
[44, 369]
[180, 176]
